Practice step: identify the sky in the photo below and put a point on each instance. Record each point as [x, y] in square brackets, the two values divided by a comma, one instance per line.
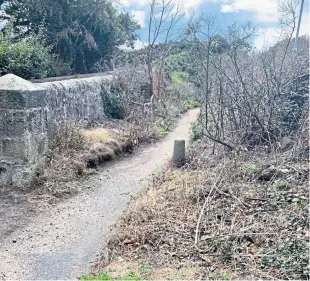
[262, 13]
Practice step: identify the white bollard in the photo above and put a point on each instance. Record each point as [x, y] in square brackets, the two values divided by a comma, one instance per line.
[178, 157]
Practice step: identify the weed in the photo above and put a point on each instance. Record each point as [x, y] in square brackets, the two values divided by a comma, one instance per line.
[163, 128]
[226, 276]
[190, 104]
[100, 276]
[112, 270]
[130, 276]
[241, 230]
[281, 184]
[145, 270]
[105, 276]
[251, 167]
[65, 137]
[196, 131]
[129, 193]
[290, 257]
[186, 265]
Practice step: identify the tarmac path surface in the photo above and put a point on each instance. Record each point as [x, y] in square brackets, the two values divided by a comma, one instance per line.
[61, 242]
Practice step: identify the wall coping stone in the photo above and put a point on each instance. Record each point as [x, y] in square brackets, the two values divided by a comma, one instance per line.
[11, 82]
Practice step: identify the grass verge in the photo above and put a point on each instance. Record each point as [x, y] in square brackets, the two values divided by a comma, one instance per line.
[74, 154]
[225, 217]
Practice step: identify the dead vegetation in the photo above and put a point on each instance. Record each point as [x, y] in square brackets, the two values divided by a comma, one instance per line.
[76, 150]
[229, 217]
[74, 153]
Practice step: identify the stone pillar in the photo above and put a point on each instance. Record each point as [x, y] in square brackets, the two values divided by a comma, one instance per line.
[178, 157]
[22, 128]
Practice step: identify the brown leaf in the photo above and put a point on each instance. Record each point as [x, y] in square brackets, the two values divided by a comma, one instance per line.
[127, 241]
[253, 250]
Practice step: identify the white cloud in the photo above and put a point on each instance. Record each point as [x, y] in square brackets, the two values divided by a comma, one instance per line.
[267, 37]
[265, 10]
[304, 25]
[137, 45]
[189, 4]
[139, 16]
[136, 3]
[185, 4]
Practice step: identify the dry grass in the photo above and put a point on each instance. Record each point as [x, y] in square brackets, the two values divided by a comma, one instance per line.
[248, 213]
[120, 268]
[97, 134]
[74, 154]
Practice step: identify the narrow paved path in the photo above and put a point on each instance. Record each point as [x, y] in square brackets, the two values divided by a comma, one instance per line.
[61, 243]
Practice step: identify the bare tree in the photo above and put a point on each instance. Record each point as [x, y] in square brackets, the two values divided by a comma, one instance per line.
[163, 19]
[245, 97]
[204, 30]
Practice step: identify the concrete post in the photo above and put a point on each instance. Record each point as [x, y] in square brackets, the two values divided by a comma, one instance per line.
[178, 157]
[9, 171]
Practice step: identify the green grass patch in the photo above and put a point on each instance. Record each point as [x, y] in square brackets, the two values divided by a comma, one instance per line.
[106, 276]
[179, 77]
[251, 168]
[190, 104]
[100, 276]
[163, 128]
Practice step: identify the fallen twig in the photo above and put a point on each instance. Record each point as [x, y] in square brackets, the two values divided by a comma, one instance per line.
[205, 203]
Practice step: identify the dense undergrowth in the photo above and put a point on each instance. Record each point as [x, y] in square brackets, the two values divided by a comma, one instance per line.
[224, 216]
[239, 208]
[75, 151]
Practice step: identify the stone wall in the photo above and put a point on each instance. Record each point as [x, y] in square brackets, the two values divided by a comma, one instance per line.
[28, 111]
[75, 99]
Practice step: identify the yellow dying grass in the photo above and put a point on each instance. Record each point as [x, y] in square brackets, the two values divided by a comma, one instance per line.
[176, 187]
[98, 134]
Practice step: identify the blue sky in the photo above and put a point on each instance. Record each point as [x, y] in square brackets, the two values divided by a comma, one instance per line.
[262, 13]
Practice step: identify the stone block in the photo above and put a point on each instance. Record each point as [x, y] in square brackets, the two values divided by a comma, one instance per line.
[13, 148]
[15, 174]
[17, 93]
[35, 146]
[11, 100]
[15, 123]
[35, 120]
[4, 174]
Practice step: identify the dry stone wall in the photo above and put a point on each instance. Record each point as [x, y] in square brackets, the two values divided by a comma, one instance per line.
[28, 111]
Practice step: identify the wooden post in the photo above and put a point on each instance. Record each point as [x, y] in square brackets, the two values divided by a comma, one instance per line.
[178, 157]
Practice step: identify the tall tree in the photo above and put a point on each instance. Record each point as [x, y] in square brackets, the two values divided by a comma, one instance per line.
[81, 32]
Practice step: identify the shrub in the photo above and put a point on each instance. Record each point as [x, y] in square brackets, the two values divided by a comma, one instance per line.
[163, 128]
[29, 58]
[190, 104]
[196, 131]
[179, 77]
[112, 103]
